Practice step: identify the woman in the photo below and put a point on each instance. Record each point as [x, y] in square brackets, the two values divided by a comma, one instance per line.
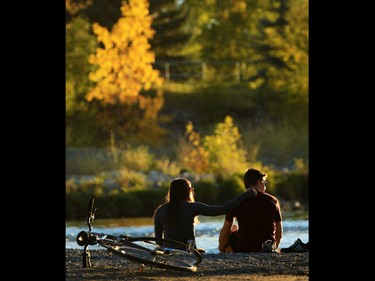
[176, 218]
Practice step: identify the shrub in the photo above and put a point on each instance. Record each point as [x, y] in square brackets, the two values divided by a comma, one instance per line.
[88, 161]
[207, 191]
[137, 158]
[225, 154]
[292, 186]
[230, 187]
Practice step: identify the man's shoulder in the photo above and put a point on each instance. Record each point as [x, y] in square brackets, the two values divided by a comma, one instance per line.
[269, 196]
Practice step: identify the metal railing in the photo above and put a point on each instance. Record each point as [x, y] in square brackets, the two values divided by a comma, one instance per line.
[235, 71]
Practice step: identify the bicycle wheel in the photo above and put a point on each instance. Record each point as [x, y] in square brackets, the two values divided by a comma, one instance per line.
[147, 251]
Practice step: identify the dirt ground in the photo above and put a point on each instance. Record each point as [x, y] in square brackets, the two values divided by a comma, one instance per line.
[229, 267]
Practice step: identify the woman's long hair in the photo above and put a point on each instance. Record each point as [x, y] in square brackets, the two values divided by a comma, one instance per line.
[180, 190]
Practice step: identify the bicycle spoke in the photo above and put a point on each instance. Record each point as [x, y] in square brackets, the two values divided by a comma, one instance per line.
[151, 254]
[144, 250]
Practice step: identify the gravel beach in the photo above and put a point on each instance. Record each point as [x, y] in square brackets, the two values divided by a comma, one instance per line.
[229, 267]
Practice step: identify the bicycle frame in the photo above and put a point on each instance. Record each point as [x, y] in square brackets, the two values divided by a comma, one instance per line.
[127, 247]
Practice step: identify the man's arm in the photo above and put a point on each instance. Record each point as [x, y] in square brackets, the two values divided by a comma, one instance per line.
[279, 232]
[224, 235]
[279, 225]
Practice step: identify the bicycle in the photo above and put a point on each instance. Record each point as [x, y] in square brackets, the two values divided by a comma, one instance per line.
[151, 251]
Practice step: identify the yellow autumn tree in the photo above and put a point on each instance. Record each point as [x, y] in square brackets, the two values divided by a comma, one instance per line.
[125, 79]
[226, 154]
[191, 151]
[221, 153]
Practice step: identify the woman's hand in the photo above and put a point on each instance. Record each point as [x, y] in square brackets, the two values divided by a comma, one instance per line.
[252, 192]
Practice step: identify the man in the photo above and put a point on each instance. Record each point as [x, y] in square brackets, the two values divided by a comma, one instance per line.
[259, 220]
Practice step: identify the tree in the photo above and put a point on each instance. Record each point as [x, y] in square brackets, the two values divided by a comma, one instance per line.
[169, 22]
[226, 156]
[125, 78]
[192, 154]
[222, 27]
[171, 36]
[281, 47]
[105, 12]
[80, 119]
[74, 7]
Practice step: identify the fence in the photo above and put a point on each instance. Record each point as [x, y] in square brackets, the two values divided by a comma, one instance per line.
[235, 71]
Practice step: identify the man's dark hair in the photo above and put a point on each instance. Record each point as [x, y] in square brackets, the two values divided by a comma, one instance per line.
[252, 176]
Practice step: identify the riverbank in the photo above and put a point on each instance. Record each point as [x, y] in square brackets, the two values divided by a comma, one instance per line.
[228, 267]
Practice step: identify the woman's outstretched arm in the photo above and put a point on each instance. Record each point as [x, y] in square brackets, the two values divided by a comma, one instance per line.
[215, 210]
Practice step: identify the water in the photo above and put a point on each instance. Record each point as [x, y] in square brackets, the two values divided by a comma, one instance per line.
[206, 232]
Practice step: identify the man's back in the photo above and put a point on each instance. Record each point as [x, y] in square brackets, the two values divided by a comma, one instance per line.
[257, 221]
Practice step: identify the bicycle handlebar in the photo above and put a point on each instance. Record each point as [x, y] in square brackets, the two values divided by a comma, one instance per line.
[91, 213]
[138, 249]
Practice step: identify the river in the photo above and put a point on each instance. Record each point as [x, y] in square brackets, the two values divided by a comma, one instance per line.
[206, 232]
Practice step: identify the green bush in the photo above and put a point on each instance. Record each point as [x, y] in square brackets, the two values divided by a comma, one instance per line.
[207, 191]
[230, 187]
[119, 203]
[88, 161]
[137, 158]
[278, 144]
[142, 201]
[292, 186]
[129, 179]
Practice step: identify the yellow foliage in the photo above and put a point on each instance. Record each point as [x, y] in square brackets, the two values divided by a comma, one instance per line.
[125, 61]
[238, 6]
[194, 156]
[225, 153]
[73, 7]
